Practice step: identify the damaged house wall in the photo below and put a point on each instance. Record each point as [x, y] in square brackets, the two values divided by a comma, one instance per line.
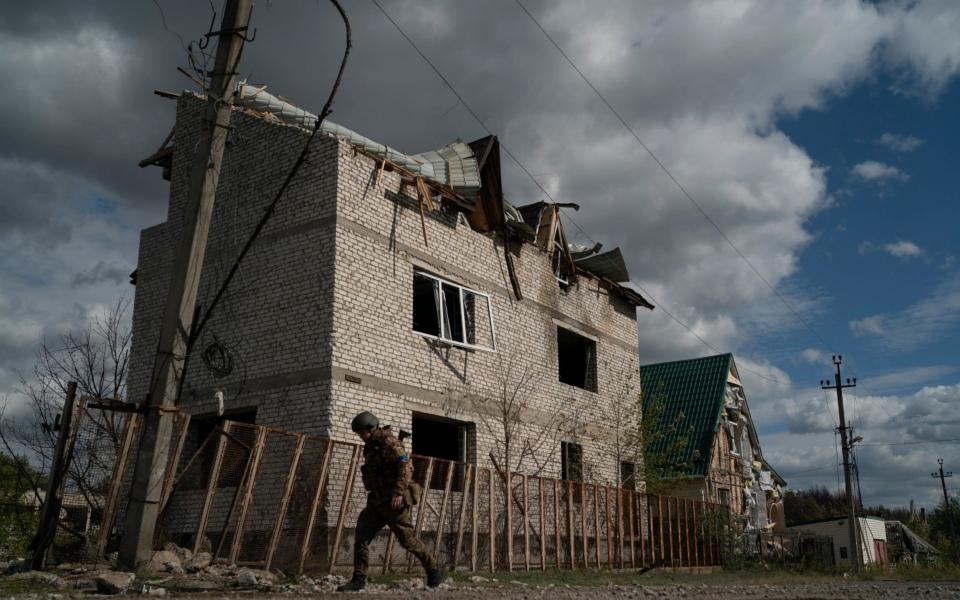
[318, 324]
[722, 459]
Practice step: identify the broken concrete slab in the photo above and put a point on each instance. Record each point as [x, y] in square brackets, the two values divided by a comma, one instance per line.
[114, 582]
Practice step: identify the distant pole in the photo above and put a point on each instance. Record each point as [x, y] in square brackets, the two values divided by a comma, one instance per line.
[855, 551]
[136, 545]
[947, 507]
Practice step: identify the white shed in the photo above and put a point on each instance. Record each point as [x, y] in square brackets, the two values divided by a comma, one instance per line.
[873, 538]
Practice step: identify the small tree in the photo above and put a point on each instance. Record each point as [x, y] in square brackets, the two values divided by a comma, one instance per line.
[621, 418]
[664, 440]
[96, 357]
[18, 517]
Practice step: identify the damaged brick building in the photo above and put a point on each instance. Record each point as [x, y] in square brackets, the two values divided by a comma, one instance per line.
[405, 285]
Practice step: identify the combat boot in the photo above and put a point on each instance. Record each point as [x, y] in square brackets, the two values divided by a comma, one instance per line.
[356, 584]
[436, 576]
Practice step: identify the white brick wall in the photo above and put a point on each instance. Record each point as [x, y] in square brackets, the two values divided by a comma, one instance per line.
[327, 292]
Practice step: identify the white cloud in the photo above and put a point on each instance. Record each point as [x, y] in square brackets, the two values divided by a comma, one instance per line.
[900, 143]
[922, 322]
[903, 249]
[874, 171]
[815, 356]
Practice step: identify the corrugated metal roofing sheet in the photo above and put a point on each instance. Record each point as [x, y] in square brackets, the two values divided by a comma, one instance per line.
[608, 264]
[695, 388]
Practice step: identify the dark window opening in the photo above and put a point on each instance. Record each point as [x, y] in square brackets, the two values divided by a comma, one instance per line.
[571, 461]
[628, 475]
[426, 305]
[577, 359]
[724, 496]
[235, 456]
[443, 439]
[843, 552]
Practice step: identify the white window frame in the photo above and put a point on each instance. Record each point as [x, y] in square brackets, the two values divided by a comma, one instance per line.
[445, 336]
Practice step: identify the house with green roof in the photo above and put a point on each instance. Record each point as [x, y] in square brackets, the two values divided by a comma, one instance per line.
[705, 426]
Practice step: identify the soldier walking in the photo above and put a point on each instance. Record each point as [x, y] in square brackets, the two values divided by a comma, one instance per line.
[387, 473]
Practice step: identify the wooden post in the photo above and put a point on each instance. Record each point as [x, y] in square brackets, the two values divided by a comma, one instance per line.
[526, 525]
[50, 511]
[443, 507]
[475, 521]
[609, 540]
[573, 553]
[543, 524]
[696, 543]
[556, 520]
[493, 521]
[317, 495]
[110, 505]
[424, 504]
[388, 553]
[633, 538]
[254, 470]
[670, 529]
[620, 523]
[686, 527]
[463, 511]
[596, 523]
[583, 525]
[211, 486]
[663, 554]
[680, 530]
[184, 418]
[345, 504]
[285, 500]
[507, 493]
[643, 546]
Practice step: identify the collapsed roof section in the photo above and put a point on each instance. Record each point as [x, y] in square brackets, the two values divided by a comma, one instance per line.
[468, 175]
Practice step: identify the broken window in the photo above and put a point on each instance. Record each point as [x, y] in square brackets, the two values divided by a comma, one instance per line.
[571, 461]
[723, 495]
[577, 359]
[450, 312]
[445, 439]
[628, 475]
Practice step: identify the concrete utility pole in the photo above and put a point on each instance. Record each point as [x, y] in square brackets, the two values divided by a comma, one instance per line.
[947, 507]
[136, 545]
[855, 551]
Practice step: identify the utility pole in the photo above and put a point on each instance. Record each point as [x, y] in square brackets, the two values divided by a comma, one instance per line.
[136, 545]
[52, 502]
[947, 507]
[855, 551]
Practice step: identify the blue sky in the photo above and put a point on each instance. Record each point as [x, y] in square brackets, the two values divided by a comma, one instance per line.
[820, 136]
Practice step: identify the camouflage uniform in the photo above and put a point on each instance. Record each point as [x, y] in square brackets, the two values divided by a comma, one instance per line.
[387, 472]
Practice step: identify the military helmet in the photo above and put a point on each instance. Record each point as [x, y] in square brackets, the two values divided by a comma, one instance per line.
[364, 421]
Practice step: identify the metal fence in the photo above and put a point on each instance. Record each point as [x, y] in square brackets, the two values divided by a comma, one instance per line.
[262, 497]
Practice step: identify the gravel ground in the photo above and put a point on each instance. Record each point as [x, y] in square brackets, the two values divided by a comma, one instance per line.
[850, 590]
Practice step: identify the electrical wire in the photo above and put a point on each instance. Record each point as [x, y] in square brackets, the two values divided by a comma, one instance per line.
[324, 113]
[537, 183]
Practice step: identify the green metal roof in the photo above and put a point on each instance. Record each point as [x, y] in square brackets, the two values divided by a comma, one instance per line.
[696, 388]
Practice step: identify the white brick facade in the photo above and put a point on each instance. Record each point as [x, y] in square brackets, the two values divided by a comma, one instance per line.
[319, 317]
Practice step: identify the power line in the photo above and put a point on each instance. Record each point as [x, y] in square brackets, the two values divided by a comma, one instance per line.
[664, 168]
[915, 443]
[675, 318]
[527, 172]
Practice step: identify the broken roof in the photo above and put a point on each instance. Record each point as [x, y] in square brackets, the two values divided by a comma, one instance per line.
[472, 172]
